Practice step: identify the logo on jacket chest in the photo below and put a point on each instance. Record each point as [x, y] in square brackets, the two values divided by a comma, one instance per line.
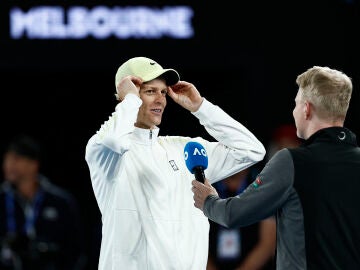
[173, 165]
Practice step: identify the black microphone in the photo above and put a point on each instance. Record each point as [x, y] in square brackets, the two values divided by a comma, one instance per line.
[196, 160]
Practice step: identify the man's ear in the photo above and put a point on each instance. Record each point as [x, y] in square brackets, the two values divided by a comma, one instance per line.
[307, 110]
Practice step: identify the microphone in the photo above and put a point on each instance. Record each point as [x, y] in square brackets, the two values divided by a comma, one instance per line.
[196, 160]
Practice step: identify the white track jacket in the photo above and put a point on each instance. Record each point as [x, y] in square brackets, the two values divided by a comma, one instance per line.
[143, 187]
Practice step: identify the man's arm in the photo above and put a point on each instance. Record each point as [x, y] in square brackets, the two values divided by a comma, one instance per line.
[104, 149]
[260, 200]
[235, 148]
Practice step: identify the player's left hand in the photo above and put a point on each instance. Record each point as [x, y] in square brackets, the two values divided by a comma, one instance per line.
[186, 95]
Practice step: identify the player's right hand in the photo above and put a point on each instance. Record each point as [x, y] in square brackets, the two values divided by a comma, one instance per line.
[128, 84]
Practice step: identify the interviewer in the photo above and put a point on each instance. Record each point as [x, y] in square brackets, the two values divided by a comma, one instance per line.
[312, 189]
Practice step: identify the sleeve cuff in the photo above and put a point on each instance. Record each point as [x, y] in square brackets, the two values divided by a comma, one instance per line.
[204, 107]
[130, 100]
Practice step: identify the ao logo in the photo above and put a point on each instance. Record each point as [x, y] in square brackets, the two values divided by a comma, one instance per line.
[196, 152]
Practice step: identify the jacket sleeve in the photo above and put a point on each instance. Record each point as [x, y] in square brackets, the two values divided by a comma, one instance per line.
[235, 147]
[260, 199]
[114, 133]
[105, 148]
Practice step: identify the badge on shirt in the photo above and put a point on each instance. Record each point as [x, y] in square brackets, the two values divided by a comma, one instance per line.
[229, 244]
[173, 165]
[50, 213]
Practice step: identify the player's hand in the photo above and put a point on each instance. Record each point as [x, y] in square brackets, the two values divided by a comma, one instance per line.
[129, 84]
[186, 95]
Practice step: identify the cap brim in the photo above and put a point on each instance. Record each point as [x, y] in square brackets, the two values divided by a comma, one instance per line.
[170, 76]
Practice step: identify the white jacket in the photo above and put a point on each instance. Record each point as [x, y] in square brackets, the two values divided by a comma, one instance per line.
[143, 187]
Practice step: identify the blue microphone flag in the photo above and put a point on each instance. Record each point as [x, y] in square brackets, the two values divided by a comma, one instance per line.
[196, 159]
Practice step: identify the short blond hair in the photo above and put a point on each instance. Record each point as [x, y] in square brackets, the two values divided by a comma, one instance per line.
[329, 90]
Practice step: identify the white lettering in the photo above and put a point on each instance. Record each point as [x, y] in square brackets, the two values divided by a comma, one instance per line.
[200, 152]
[77, 28]
[100, 22]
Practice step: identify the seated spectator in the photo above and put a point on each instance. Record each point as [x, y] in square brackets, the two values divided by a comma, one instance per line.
[39, 222]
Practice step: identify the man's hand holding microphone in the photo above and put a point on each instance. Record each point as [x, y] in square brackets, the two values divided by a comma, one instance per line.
[201, 192]
[197, 161]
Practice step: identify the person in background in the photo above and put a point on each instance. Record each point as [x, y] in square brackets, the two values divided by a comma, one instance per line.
[39, 222]
[283, 136]
[312, 189]
[140, 179]
[250, 247]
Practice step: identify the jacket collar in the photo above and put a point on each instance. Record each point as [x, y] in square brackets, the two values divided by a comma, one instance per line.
[333, 134]
[145, 136]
